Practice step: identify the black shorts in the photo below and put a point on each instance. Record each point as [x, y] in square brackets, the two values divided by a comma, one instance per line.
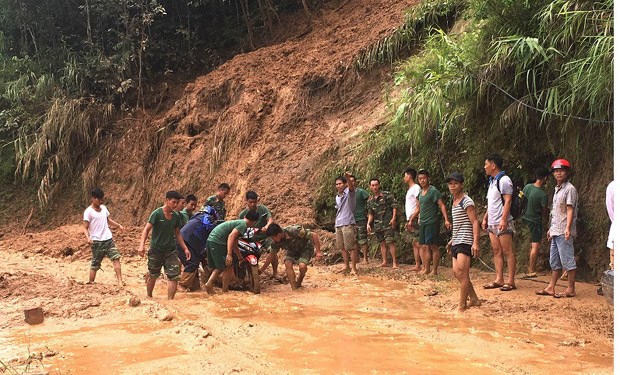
[462, 248]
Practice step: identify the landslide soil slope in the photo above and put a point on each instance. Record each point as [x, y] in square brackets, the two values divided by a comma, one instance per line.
[270, 120]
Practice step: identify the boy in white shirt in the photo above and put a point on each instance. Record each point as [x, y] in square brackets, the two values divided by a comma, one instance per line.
[97, 231]
[411, 202]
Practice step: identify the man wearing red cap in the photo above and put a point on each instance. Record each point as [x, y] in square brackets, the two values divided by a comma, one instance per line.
[562, 231]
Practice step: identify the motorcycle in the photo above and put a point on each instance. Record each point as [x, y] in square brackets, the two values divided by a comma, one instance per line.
[247, 270]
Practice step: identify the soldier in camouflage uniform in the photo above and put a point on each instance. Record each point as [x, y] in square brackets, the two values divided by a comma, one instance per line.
[300, 244]
[217, 201]
[382, 211]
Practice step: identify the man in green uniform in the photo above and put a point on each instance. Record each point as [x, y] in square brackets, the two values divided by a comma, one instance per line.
[382, 210]
[430, 203]
[300, 244]
[220, 246]
[361, 220]
[217, 201]
[190, 205]
[264, 219]
[165, 223]
[535, 210]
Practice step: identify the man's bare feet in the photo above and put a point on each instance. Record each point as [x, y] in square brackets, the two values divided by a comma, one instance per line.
[416, 269]
[394, 265]
[383, 265]
[462, 308]
[365, 261]
[475, 302]
[209, 289]
[344, 271]
[354, 271]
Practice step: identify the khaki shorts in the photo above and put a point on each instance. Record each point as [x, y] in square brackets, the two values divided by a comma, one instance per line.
[346, 237]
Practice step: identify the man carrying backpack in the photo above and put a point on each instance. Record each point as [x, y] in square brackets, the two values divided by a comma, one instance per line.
[499, 222]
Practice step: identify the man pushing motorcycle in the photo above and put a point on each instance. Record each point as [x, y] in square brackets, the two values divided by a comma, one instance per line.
[300, 245]
[220, 246]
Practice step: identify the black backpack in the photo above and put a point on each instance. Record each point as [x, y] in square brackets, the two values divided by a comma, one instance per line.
[519, 202]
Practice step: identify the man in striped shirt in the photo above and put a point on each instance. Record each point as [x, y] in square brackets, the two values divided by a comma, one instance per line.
[464, 242]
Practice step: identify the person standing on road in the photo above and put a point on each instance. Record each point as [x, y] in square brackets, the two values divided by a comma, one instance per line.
[382, 211]
[464, 243]
[498, 222]
[428, 209]
[609, 202]
[562, 231]
[345, 221]
[221, 244]
[535, 211]
[97, 231]
[361, 220]
[166, 223]
[300, 245]
[411, 202]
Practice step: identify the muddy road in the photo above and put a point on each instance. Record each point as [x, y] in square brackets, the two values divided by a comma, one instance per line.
[384, 321]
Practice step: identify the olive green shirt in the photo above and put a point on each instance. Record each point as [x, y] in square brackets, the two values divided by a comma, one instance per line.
[218, 205]
[380, 207]
[264, 216]
[300, 240]
[220, 233]
[361, 199]
[163, 234]
[184, 216]
[429, 209]
[536, 200]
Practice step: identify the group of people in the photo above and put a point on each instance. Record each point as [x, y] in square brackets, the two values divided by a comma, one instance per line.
[359, 212]
[182, 239]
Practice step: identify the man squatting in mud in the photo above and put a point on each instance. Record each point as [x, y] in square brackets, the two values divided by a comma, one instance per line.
[300, 244]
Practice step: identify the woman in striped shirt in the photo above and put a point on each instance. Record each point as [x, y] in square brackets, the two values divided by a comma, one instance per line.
[464, 242]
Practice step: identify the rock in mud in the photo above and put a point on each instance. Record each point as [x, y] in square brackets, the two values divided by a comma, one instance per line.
[34, 315]
[164, 315]
[134, 301]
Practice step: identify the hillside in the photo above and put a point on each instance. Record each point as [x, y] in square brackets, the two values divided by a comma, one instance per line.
[266, 120]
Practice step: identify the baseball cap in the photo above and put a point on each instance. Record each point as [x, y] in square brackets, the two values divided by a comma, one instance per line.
[456, 176]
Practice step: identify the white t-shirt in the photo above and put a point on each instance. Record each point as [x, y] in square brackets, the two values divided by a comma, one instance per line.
[98, 223]
[411, 200]
[494, 199]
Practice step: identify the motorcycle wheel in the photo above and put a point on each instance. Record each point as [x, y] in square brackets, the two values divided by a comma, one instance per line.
[253, 278]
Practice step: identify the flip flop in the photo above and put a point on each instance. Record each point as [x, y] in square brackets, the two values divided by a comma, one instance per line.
[492, 285]
[507, 287]
[543, 292]
[530, 275]
[563, 295]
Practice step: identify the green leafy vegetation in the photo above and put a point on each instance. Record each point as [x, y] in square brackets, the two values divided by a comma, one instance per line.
[69, 69]
[531, 80]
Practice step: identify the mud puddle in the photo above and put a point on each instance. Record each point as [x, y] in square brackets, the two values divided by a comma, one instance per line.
[369, 325]
[102, 349]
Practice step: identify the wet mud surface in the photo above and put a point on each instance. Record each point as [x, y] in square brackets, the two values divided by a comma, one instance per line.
[384, 321]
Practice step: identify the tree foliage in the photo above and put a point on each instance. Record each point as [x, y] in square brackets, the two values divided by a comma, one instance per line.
[530, 79]
[69, 66]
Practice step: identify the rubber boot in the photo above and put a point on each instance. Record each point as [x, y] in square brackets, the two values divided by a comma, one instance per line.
[187, 280]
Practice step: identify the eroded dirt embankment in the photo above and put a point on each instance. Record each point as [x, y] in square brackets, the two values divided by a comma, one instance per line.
[270, 120]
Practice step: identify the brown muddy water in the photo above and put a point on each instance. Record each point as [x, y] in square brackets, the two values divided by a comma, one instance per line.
[338, 325]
